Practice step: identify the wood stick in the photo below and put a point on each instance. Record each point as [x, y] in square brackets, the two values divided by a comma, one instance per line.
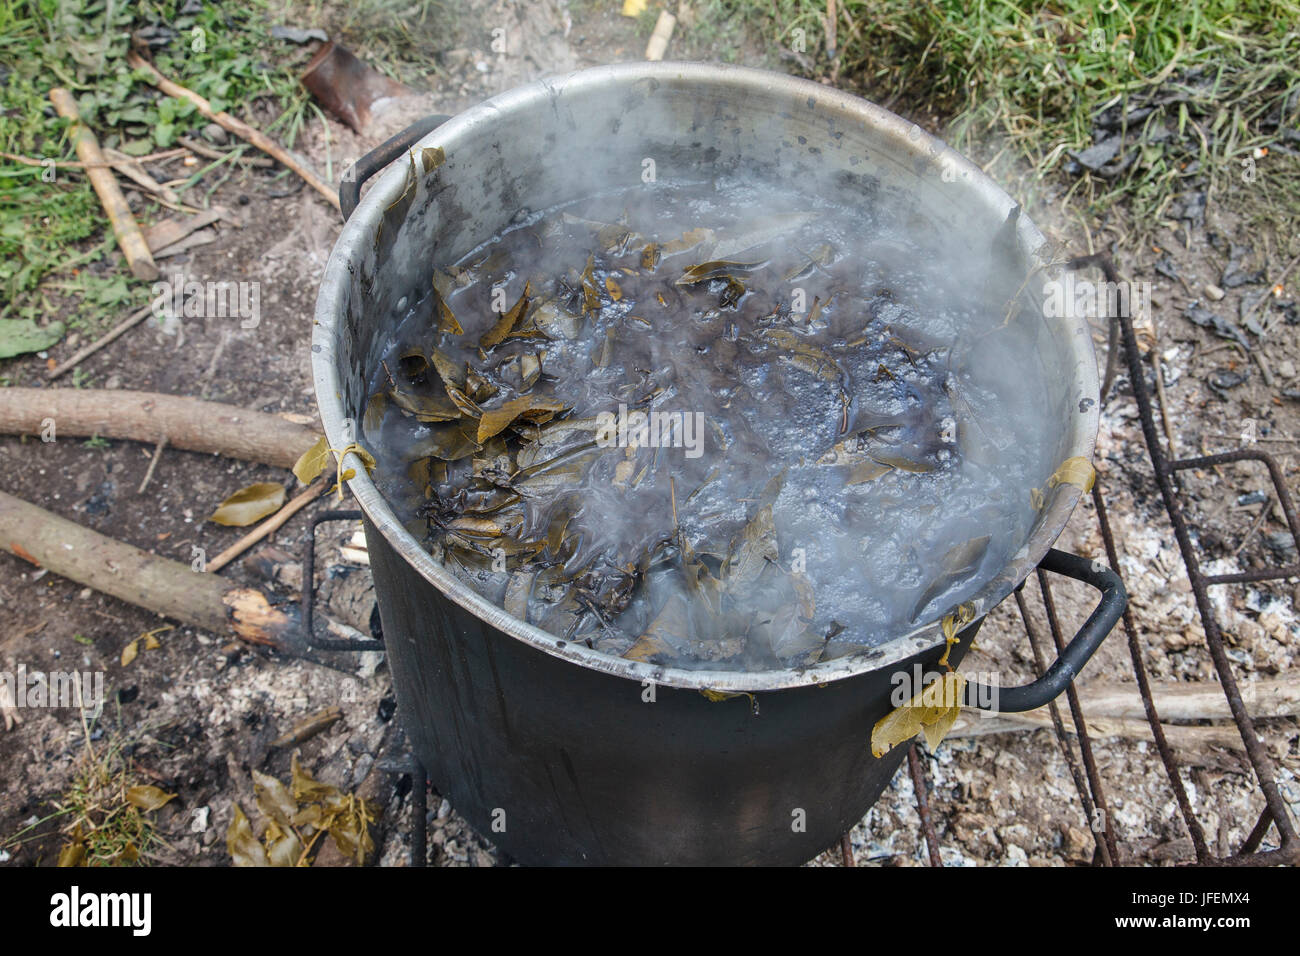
[134, 171]
[188, 423]
[232, 125]
[153, 465]
[75, 164]
[162, 585]
[268, 526]
[130, 322]
[1115, 709]
[208, 152]
[110, 195]
[663, 32]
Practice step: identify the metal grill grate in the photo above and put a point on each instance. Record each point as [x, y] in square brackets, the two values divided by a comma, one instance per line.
[1087, 780]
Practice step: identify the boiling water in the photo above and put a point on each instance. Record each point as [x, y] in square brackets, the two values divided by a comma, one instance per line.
[844, 425]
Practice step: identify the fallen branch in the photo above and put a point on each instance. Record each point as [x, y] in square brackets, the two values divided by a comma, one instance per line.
[130, 322]
[207, 152]
[1115, 710]
[153, 465]
[187, 423]
[157, 584]
[110, 195]
[267, 527]
[232, 125]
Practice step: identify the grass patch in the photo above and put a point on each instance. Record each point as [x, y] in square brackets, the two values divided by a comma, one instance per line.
[102, 819]
[1020, 86]
[223, 52]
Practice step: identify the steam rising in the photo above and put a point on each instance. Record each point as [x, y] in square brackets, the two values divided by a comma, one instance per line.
[898, 474]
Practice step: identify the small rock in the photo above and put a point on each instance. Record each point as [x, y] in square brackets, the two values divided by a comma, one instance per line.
[1077, 844]
[1281, 544]
[1286, 368]
[215, 134]
[362, 769]
[1213, 291]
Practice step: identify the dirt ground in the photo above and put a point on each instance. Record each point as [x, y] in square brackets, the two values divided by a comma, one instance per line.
[197, 717]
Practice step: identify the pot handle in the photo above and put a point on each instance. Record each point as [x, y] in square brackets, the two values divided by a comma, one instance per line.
[1114, 599]
[381, 156]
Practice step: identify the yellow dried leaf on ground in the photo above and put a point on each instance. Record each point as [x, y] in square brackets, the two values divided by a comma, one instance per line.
[244, 848]
[148, 798]
[1077, 471]
[249, 505]
[933, 712]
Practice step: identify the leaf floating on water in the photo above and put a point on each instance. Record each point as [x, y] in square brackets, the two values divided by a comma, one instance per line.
[650, 256]
[933, 711]
[497, 334]
[1077, 471]
[447, 324]
[613, 288]
[449, 370]
[904, 464]
[867, 471]
[959, 562]
[715, 269]
[496, 420]
[689, 240]
[450, 442]
[669, 630]
[751, 554]
[250, 504]
[371, 422]
[517, 591]
[425, 407]
[316, 459]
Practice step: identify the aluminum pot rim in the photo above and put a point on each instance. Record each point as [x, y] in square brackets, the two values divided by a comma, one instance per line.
[360, 228]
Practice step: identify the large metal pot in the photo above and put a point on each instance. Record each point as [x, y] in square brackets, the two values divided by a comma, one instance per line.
[561, 754]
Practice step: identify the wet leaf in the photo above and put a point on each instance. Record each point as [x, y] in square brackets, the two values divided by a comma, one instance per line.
[933, 711]
[612, 287]
[497, 334]
[669, 629]
[425, 407]
[496, 420]
[1077, 471]
[867, 471]
[314, 460]
[249, 505]
[371, 422]
[715, 269]
[903, 464]
[750, 555]
[650, 257]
